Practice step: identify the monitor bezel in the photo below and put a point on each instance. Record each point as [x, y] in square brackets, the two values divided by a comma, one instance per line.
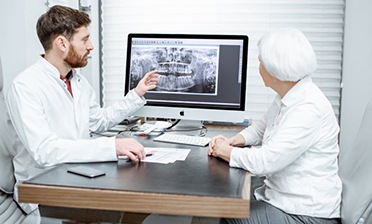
[157, 105]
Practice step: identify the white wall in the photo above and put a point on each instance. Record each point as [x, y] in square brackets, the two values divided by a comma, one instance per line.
[19, 45]
[357, 72]
[19, 48]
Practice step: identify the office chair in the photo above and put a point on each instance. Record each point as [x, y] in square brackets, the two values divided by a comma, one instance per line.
[356, 174]
[10, 212]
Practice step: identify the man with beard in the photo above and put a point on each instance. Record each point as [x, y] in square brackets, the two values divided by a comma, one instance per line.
[54, 108]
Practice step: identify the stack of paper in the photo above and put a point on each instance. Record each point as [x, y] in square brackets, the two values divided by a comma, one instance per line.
[165, 155]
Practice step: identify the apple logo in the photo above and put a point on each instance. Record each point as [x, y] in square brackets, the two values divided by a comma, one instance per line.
[182, 113]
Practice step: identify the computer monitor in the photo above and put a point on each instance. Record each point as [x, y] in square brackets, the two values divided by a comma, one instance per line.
[202, 77]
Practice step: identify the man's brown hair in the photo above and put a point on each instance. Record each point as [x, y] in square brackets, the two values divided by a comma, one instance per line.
[59, 20]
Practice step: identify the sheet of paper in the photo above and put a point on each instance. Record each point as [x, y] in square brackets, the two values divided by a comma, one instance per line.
[163, 155]
[166, 155]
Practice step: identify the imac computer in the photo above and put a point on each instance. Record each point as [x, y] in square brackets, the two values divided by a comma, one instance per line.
[202, 77]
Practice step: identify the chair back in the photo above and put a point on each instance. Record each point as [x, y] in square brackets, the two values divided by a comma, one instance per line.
[1, 77]
[7, 133]
[356, 174]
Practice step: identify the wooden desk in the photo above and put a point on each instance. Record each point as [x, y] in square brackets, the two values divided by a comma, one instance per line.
[199, 186]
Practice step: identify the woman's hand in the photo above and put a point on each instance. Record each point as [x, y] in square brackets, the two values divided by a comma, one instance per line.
[221, 148]
[212, 143]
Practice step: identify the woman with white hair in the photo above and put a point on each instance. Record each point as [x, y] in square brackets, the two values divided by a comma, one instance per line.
[295, 145]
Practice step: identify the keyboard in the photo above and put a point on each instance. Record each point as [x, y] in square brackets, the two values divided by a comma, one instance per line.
[183, 139]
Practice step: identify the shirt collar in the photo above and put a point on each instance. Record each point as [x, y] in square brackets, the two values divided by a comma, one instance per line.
[296, 92]
[68, 76]
[52, 70]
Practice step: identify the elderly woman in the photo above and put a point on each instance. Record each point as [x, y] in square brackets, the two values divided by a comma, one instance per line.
[295, 145]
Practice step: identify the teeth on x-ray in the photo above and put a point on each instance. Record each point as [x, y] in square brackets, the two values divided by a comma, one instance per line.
[179, 68]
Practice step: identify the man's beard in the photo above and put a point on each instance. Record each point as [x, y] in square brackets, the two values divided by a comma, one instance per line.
[74, 60]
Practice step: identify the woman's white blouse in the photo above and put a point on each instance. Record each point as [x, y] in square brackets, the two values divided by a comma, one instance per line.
[295, 146]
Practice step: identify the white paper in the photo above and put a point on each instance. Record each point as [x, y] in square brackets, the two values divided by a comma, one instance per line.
[166, 155]
[163, 155]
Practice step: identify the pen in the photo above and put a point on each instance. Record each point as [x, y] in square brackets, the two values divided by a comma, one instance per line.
[142, 134]
[128, 159]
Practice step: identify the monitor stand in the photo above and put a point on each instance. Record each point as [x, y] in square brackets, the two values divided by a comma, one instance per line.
[189, 127]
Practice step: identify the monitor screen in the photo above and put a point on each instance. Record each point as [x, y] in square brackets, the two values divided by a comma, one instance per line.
[202, 77]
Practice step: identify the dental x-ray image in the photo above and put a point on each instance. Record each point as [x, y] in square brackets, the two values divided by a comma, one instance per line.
[183, 70]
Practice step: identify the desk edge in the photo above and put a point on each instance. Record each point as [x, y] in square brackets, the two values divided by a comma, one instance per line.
[141, 202]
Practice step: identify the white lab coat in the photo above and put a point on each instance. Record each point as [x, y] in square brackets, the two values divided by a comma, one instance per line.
[54, 126]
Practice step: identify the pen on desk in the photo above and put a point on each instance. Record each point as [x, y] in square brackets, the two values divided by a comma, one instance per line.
[142, 134]
[147, 155]
[126, 158]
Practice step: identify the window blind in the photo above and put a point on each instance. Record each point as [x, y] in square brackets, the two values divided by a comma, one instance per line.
[321, 21]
